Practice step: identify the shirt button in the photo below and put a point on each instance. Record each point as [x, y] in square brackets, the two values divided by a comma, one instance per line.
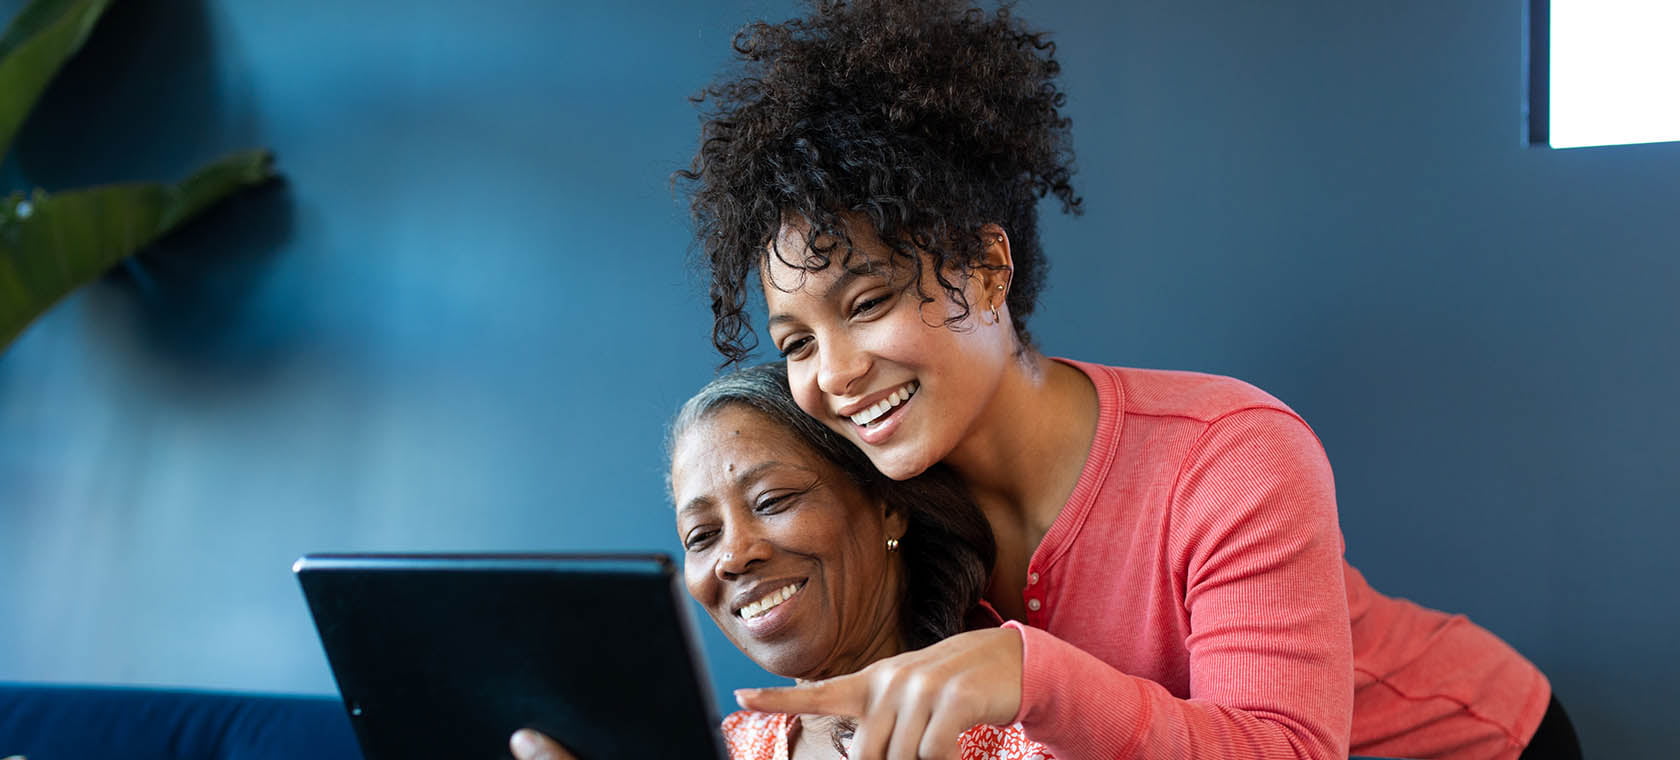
[1033, 604]
[1032, 578]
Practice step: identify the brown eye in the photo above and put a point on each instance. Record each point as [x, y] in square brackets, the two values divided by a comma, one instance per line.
[867, 306]
[795, 346]
[698, 539]
[770, 505]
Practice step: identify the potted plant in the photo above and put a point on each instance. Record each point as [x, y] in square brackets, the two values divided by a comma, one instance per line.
[51, 244]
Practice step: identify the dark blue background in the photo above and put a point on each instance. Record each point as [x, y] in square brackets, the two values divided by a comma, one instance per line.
[463, 319]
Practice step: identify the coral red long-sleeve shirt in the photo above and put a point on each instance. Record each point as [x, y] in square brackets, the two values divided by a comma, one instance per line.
[1192, 600]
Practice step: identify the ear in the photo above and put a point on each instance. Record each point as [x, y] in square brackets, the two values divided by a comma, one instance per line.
[897, 522]
[997, 263]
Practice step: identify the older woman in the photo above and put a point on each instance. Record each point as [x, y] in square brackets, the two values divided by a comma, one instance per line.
[816, 565]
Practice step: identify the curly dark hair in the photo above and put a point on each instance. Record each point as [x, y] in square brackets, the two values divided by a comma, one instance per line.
[948, 549]
[927, 118]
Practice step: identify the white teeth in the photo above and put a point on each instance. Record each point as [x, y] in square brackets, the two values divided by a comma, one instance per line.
[769, 602]
[874, 412]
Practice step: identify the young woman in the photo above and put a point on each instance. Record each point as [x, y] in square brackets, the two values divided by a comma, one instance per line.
[1168, 550]
[814, 564]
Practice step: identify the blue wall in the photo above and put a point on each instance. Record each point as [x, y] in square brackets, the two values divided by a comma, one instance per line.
[463, 319]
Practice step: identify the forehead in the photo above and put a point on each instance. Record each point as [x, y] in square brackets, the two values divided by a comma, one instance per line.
[729, 442]
[798, 262]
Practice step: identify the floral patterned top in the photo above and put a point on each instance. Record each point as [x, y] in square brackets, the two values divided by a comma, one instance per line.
[764, 736]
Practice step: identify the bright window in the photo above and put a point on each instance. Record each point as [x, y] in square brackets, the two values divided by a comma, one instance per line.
[1612, 72]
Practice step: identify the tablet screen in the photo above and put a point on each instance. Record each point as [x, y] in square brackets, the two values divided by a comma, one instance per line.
[448, 655]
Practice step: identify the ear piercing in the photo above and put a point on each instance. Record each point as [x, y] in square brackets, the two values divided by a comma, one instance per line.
[892, 544]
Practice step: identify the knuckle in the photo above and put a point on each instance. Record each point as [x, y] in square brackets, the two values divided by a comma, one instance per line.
[893, 678]
[962, 685]
[958, 703]
[916, 684]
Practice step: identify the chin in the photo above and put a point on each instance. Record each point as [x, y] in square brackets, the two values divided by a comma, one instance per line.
[794, 664]
[786, 658]
[898, 464]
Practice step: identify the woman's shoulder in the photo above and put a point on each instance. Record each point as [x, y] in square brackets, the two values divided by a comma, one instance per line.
[1178, 393]
[1001, 743]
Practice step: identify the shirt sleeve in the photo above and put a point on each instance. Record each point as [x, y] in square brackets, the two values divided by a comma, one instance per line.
[1257, 550]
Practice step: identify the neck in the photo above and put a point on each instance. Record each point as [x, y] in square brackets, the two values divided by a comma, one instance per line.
[1024, 456]
[883, 642]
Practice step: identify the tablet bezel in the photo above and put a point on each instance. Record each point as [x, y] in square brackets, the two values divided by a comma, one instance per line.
[435, 652]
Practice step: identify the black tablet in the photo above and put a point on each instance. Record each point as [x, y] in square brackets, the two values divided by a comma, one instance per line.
[446, 656]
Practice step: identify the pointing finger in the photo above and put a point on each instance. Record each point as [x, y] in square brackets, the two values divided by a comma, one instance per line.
[846, 696]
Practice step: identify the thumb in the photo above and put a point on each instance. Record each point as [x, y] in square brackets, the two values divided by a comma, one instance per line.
[531, 745]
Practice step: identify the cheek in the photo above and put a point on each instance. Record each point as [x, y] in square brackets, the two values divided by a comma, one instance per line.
[803, 382]
[963, 353]
[701, 584]
[862, 566]
[917, 338]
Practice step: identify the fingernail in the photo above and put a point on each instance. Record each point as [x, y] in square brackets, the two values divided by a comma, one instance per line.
[741, 696]
[524, 745]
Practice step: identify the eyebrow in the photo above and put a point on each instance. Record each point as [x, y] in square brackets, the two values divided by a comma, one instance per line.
[847, 277]
[748, 475]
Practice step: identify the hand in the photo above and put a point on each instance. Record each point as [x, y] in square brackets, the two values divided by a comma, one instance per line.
[531, 745]
[914, 705]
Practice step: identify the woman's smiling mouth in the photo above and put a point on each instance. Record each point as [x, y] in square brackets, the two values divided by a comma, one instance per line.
[768, 616]
[875, 423]
[769, 601]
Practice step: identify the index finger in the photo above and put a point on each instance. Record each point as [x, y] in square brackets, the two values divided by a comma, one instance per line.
[846, 696]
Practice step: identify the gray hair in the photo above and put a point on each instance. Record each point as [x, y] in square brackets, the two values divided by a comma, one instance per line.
[948, 550]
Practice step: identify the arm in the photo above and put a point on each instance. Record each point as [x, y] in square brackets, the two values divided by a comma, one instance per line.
[1256, 548]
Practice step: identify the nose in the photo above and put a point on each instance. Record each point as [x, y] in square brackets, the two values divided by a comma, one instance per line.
[841, 364]
[739, 551]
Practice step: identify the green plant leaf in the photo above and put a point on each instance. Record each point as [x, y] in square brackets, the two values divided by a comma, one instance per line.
[52, 244]
[35, 46]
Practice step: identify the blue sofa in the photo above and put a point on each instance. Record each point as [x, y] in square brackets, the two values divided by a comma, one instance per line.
[51, 722]
[55, 722]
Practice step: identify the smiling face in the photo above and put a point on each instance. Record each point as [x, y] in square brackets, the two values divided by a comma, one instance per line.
[868, 359]
[783, 549]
